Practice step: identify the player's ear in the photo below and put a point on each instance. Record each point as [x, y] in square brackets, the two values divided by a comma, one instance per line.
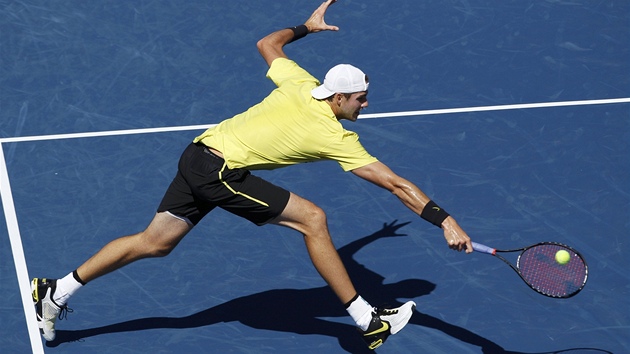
[337, 97]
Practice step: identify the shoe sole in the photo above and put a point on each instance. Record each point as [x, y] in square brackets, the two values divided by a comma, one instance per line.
[35, 290]
[36, 300]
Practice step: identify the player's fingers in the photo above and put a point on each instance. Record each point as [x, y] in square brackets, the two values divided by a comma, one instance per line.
[317, 22]
[328, 3]
[459, 243]
[469, 247]
[324, 6]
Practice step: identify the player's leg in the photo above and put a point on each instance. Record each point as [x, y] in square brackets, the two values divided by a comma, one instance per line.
[162, 235]
[158, 240]
[51, 295]
[310, 220]
[375, 325]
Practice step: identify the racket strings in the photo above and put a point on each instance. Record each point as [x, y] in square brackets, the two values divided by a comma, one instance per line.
[543, 273]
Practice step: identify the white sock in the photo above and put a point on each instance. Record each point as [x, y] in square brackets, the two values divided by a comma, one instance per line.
[361, 312]
[66, 287]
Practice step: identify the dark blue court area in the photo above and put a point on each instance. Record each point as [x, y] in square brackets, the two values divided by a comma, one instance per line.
[555, 170]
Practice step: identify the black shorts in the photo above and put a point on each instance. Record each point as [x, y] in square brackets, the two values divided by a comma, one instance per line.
[204, 181]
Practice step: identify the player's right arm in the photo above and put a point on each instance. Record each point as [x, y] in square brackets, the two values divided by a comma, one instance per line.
[271, 46]
[413, 198]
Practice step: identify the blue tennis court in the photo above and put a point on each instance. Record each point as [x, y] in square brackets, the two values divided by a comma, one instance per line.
[514, 116]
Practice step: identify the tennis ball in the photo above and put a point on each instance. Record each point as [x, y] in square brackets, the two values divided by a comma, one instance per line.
[563, 257]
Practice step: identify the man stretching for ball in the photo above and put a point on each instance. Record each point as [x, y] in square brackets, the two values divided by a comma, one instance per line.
[298, 122]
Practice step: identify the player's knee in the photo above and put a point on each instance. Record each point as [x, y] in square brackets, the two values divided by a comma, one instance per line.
[162, 250]
[153, 247]
[315, 219]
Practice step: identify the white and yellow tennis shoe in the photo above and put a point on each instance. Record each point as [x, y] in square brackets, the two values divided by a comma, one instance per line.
[386, 322]
[46, 308]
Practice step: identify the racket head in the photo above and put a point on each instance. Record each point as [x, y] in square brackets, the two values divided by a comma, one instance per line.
[540, 270]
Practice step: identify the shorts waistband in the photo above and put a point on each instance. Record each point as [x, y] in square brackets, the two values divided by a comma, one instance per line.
[208, 150]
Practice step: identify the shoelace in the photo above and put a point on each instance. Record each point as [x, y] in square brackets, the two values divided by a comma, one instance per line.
[65, 310]
[386, 312]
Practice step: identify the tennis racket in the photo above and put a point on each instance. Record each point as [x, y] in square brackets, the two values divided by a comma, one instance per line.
[537, 266]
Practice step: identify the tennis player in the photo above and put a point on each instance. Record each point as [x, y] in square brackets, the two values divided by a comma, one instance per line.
[297, 122]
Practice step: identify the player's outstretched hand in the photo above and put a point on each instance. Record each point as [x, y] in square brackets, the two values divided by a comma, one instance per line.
[456, 238]
[316, 22]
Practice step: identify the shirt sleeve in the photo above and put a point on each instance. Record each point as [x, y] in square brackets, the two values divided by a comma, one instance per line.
[284, 70]
[348, 152]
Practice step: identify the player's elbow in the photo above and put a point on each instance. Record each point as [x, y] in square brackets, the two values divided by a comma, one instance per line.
[270, 48]
[261, 44]
[266, 50]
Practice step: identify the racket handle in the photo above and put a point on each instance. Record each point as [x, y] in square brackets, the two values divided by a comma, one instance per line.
[483, 248]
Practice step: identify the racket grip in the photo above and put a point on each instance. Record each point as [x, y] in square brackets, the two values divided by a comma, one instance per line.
[483, 248]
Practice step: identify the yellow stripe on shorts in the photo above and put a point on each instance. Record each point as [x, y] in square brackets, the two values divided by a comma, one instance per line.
[236, 192]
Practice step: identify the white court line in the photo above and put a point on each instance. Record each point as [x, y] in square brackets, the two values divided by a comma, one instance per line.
[363, 116]
[498, 108]
[9, 208]
[104, 133]
[18, 257]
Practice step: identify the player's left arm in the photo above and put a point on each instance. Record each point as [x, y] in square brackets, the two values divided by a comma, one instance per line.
[271, 46]
[412, 197]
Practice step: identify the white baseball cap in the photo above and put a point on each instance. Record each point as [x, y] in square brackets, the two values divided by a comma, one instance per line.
[342, 78]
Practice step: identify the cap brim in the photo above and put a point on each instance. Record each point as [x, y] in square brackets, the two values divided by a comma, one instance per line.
[320, 92]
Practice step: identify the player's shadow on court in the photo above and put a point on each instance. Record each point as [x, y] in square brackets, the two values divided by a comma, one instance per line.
[299, 311]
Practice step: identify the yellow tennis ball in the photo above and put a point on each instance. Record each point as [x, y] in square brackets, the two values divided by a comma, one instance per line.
[563, 257]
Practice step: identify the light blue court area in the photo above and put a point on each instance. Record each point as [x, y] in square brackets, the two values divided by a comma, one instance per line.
[514, 116]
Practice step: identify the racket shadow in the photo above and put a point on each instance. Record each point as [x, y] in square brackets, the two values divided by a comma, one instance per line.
[300, 311]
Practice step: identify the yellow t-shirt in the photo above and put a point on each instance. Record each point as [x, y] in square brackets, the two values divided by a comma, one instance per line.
[288, 127]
